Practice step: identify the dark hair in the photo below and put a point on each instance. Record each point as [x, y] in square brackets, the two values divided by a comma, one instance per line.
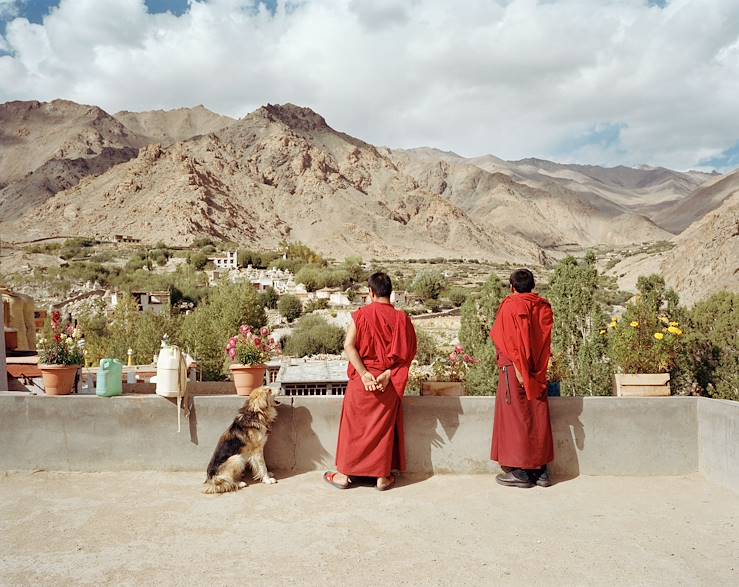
[380, 284]
[522, 280]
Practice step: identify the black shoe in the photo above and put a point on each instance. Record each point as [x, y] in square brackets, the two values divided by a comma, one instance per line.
[542, 477]
[514, 478]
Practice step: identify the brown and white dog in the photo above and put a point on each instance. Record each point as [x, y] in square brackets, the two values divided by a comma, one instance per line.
[243, 444]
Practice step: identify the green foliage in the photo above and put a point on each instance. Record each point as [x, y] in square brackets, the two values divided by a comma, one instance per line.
[478, 316]
[428, 285]
[457, 296]
[303, 253]
[197, 259]
[290, 307]
[317, 304]
[269, 298]
[206, 331]
[311, 276]
[355, 268]
[579, 347]
[258, 260]
[126, 327]
[313, 335]
[647, 339]
[710, 361]
[428, 349]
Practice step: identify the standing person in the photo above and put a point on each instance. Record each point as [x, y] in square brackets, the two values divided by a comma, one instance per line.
[380, 344]
[522, 432]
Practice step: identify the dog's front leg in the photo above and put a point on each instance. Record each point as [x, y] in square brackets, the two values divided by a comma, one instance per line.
[259, 468]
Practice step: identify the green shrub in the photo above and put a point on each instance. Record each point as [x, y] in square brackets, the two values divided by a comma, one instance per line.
[457, 296]
[269, 298]
[313, 305]
[312, 277]
[478, 316]
[428, 349]
[710, 361]
[198, 260]
[290, 307]
[313, 335]
[578, 345]
[428, 285]
[206, 331]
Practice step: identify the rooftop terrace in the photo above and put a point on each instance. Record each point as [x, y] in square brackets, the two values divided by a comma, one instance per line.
[151, 528]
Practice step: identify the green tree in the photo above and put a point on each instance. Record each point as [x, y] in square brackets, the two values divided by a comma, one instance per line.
[313, 335]
[428, 285]
[355, 268]
[269, 298]
[290, 307]
[197, 259]
[478, 316]
[710, 362]
[206, 331]
[578, 346]
[312, 277]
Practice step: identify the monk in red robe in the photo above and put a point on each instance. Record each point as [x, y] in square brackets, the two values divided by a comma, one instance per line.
[522, 432]
[380, 344]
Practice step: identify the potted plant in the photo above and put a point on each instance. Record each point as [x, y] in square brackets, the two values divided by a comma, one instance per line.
[60, 356]
[643, 348]
[448, 375]
[249, 351]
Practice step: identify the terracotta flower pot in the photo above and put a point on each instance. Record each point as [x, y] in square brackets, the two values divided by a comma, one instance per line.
[247, 377]
[58, 379]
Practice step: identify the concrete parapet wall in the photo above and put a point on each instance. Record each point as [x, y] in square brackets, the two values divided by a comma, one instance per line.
[593, 436]
[718, 441]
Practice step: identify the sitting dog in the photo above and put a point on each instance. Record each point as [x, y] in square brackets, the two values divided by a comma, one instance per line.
[242, 444]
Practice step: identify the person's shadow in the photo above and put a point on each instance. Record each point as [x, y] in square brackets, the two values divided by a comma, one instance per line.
[569, 436]
[430, 423]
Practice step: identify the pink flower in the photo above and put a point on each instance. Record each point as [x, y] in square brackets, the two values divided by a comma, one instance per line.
[232, 353]
[232, 342]
[271, 340]
[70, 329]
[264, 331]
[244, 329]
[453, 357]
[467, 358]
[257, 342]
[458, 349]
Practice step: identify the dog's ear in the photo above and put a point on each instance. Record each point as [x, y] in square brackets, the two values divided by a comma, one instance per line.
[258, 399]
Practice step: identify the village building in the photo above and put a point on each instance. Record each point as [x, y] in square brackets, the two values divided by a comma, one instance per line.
[157, 302]
[227, 261]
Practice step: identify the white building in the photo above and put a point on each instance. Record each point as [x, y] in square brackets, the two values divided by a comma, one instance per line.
[230, 261]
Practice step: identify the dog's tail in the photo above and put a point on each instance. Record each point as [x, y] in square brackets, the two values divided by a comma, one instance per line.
[219, 485]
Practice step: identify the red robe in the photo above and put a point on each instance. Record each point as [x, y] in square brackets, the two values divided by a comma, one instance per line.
[371, 441]
[522, 334]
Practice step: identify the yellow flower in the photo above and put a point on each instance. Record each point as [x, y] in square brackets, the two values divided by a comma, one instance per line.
[674, 324]
[615, 318]
[612, 325]
[664, 320]
[634, 324]
[659, 335]
[603, 331]
[675, 330]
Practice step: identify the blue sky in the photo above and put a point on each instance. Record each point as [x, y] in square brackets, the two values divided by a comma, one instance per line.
[605, 82]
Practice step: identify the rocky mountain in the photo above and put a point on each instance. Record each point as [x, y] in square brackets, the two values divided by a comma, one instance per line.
[705, 259]
[710, 196]
[49, 147]
[169, 126]
[281, 172]
[551, 215]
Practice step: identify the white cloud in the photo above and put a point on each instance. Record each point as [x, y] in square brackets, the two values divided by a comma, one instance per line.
[515, 77]
[9, 8]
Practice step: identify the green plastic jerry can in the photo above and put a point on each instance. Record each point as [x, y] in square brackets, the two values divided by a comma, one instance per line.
[109, 381]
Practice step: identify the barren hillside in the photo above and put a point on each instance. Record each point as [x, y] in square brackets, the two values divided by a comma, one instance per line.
[169, 126]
